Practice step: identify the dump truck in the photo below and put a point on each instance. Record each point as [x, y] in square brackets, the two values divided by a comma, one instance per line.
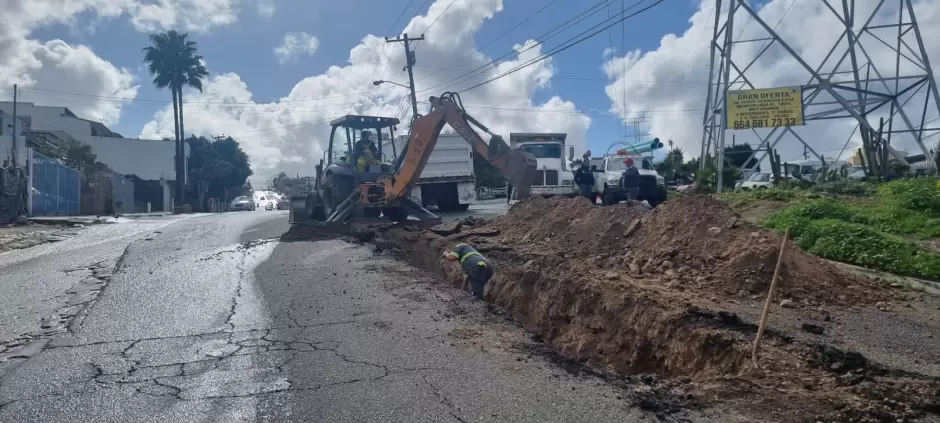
[447, 180]
[552, 177]
[352, 180]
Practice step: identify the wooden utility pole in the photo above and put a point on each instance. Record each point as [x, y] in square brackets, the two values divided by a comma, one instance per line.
[409, 62]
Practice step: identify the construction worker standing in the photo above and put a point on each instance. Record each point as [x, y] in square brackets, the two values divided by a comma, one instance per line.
[366, 151]
[584, 178]
[477, 269]
[630, 180]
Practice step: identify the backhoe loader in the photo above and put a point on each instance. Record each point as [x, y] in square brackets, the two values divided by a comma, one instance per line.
[356, 182]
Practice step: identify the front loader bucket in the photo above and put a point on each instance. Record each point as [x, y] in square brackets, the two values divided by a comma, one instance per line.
[298, 209]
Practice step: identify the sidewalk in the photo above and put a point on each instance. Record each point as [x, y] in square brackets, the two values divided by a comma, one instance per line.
[90, 220]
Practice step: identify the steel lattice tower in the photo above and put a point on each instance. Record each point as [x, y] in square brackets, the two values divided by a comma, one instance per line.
[846, 84]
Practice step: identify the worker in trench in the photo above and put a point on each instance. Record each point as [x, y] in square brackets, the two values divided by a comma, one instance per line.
[366, 152]
[477, 269]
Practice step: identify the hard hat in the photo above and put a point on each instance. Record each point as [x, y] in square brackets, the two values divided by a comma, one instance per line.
[628, 161]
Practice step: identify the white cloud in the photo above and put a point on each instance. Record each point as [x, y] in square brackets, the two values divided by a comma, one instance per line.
[187, 15]
[46, 69]
[290, 133]
[266, 8]
[296, 44]
[668, 85]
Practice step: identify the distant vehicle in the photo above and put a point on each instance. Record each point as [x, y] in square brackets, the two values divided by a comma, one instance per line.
[553, 176]
[758, 180]
[266, 199]
[243, 203]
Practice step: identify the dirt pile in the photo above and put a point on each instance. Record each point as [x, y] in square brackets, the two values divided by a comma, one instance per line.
[697, 243]
[630, 291]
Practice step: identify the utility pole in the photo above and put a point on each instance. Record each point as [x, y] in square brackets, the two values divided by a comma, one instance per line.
[15, 127]
[409, 62]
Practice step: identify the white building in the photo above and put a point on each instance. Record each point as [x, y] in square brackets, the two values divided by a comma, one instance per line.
[151, 160]
[6, 140]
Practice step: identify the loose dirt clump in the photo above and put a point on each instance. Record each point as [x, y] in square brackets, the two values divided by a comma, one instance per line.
[670, 293]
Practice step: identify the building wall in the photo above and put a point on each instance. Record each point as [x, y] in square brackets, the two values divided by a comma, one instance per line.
[148, 159]
[6, 141]
[48, 118]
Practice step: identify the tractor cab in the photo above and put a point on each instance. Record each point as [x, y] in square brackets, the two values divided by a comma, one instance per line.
[355, 147]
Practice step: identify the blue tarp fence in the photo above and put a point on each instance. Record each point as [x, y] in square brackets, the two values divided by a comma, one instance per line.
[56, 188]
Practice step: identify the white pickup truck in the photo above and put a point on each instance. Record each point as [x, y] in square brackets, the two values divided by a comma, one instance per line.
[447, 180]
[608, 169]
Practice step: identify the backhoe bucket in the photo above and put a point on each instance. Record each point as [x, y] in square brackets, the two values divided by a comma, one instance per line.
[521, 169]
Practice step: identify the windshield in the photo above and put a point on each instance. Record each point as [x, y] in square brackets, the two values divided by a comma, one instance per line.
[617, 165]
[543, 151]
[240, 199]
[760, 177]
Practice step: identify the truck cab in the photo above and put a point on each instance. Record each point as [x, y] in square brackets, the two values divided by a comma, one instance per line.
[553, 176]
[608, 169]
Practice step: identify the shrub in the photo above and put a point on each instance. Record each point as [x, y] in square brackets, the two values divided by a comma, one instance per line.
[861, 245]
[921, 194]
[846, 187]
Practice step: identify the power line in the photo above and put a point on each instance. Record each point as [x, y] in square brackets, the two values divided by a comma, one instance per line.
[563, 47]
[539, 41]
[479, 49]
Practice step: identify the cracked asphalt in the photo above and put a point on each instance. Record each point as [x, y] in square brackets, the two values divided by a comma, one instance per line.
[212, 319]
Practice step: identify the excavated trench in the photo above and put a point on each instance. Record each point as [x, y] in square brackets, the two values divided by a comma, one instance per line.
[626, 292]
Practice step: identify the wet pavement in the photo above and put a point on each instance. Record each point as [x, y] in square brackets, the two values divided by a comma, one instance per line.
[212, 319]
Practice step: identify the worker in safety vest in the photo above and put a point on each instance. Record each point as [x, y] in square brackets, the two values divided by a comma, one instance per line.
[477, 269]
[366, 151]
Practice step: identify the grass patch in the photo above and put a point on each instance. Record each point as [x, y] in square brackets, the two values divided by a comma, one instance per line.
[868, 230]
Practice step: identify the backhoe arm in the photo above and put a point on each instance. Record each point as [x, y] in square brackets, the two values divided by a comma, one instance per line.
[517, 167]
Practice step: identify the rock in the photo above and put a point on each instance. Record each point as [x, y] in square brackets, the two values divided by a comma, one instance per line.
[612, 276]
[447, 228]
[896, 285]
[634, 269]
[666, 264]
[787, 304]
[669, 273]
[632, 228]
[811, 328]
[733, 223]
[883, 306]
[714, 230]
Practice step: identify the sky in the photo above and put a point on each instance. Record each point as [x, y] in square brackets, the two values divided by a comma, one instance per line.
[281, 69]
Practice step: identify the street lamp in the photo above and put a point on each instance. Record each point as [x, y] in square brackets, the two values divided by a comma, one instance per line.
[380, 82]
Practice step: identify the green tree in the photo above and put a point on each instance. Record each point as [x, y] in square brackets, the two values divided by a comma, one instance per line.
[217, 168]
[173, 62]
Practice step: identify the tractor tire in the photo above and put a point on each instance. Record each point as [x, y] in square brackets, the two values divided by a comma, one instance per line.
[335, 190]
[395, 214]
[313, 207]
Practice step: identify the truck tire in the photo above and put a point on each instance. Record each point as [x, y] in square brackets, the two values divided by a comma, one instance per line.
[395, 214]
[335, 190]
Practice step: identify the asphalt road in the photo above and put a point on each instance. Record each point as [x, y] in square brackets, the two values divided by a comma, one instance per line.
[212, 319]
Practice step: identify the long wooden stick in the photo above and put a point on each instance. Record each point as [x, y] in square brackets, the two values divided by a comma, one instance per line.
[770, 297]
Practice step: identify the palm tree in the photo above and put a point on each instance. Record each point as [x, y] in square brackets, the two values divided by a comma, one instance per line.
[172, 61]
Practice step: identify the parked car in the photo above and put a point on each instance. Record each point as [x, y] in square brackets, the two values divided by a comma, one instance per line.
[269, 205]
[243, 203]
